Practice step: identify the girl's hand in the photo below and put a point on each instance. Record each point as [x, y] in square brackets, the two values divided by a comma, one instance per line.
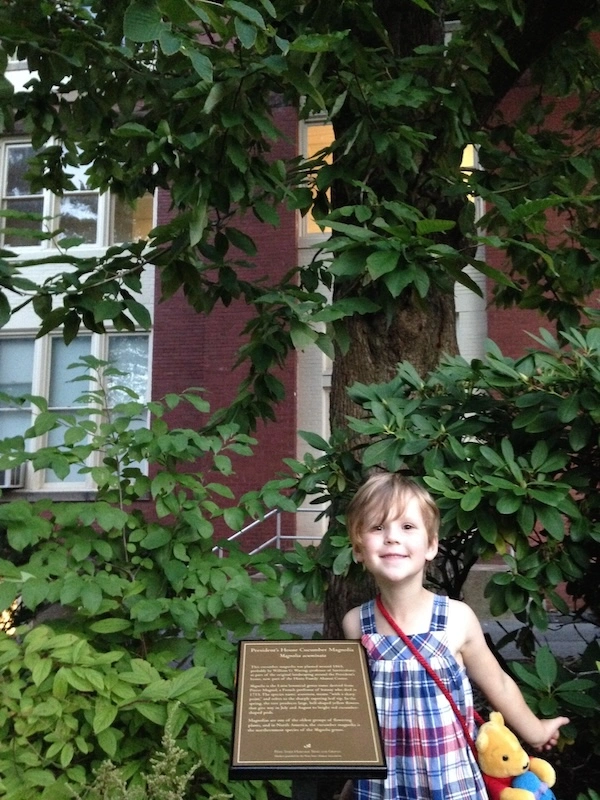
[549, 733]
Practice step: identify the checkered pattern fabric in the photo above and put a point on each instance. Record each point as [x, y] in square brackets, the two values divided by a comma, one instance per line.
[427, 755]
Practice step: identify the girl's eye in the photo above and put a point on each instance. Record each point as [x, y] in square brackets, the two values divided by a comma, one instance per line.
[377, 528]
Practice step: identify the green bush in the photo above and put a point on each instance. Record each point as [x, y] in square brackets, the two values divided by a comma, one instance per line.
[510, 449]
[129, 593]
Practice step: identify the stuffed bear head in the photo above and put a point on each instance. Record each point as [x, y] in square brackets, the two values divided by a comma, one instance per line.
[500, 753]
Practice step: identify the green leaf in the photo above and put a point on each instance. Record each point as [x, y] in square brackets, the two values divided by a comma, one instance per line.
[527, 677]
[580, 433]
[471, 499]
[314, 440]
[91, 597]
[247, 12]
[108, 741]
[142, 21]
[202, 65]
[66, 754]
[147, 610]
[546, 666]
[568, 408]
[234, 518]
[133, 130]
[552, 520]
[342, 561]
[5, 310]
[246, 33]
[140, 313]
[383, 452]
[34, 592]
[104, 716]
[41, 670]
[154, 712]
[157, 537]
[425, 227]
[44, 422]
[110, 625]
[382, 262]
[241, 240]
[169, 42]
[302, 335]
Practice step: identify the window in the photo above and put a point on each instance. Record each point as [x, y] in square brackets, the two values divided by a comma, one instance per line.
[315, 135]
[97, 219]
[41, 367]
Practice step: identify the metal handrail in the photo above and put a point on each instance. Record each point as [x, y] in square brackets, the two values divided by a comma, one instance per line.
[278, 538]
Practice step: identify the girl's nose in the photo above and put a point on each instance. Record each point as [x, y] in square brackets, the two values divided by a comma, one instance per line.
[392, 531]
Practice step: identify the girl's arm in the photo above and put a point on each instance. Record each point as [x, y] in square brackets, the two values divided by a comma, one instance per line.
[500, 689]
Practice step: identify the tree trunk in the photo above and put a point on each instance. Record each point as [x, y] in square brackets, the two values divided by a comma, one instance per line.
[420, 332]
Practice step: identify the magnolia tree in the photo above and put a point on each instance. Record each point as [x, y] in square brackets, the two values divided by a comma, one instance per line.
[149, 95]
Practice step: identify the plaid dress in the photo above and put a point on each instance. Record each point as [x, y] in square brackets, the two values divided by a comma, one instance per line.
[427, 755]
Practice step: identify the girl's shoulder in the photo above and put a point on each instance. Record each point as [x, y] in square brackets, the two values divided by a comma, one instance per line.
[351, 624]
[460, 613]
[462, 624]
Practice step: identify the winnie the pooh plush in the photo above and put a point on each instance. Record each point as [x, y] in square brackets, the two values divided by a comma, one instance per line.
[509, 773]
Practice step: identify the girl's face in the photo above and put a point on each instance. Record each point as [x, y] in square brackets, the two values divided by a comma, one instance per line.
[399, 548]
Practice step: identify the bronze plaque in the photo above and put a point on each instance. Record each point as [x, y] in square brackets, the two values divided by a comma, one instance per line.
[304, 706]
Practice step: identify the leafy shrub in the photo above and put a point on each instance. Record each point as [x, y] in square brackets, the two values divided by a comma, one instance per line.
[141, 592]
[510, 451]
[165, 781]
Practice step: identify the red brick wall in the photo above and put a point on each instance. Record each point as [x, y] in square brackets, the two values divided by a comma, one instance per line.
[200, 350]
[510, 328]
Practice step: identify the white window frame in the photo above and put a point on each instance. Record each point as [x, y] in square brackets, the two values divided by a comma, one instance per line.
[51, 204]
[42, 352]
[51, 209]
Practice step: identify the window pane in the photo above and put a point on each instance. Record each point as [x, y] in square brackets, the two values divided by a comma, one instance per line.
[17, 196]
[18, 157]
[130, 223]
[318, 136]
[63, 393]
[79, 216]
[16, 372]
[129, 354]
[14, 423]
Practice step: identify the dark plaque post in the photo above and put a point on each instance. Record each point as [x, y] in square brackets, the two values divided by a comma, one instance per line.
[304, 709]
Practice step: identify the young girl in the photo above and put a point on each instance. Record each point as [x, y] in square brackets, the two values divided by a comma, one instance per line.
[393, 528]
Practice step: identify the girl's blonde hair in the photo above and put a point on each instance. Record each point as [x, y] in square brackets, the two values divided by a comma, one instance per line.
[383, 496]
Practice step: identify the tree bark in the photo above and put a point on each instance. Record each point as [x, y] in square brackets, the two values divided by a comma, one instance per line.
[419, 332]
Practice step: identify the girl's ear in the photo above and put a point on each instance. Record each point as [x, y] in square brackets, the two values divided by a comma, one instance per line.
[432, 550]
[356, 554]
